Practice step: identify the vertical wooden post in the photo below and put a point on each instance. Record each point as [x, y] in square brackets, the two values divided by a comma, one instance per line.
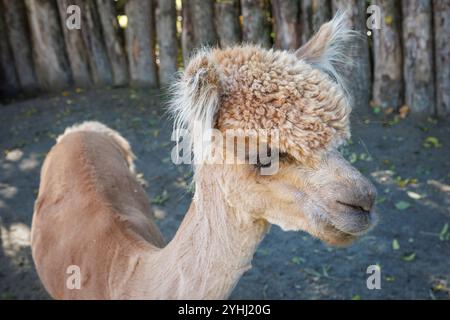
[305, 21]
[139, 35]
[387, 56]
[418, 56]
[113, 43]
[286, 23]
[49, 54]
[358, 75]
[313, 14]
[442, 55]
[321, 13]
[75, 47]
[227, 22]
[92, 35]
[255, 25]
[19, 39]
[187, 32]
[202, 12]
[9, 84]
[166, 31]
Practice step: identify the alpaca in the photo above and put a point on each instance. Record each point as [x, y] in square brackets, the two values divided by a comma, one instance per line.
[92, 213]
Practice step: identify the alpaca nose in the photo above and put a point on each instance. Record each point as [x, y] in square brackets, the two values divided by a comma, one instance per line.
[361, 198]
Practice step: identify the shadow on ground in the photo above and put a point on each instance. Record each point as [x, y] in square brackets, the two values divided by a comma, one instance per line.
[408, 160]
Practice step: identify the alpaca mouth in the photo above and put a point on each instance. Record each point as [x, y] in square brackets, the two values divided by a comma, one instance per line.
[356, 208]
[346, 218]
[354, 220]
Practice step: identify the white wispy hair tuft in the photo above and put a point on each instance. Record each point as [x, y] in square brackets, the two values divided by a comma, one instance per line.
[195, 99]
[331, 48]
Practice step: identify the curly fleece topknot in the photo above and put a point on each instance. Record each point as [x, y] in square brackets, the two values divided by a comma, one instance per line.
[299, 93]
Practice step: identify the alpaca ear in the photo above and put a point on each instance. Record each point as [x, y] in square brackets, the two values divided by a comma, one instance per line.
[330, 49]
[196, 95]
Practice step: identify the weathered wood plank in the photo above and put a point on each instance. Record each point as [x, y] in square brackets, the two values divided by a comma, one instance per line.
[19, 39]
[286, 23]
[227, 22]
[140, 36]
[442, 55]
[114, 45]
[49, 53]
[166, 31]
[387, 88]
[256, 28]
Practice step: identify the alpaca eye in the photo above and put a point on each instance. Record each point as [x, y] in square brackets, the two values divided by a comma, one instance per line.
[265, 164]
[268, 161]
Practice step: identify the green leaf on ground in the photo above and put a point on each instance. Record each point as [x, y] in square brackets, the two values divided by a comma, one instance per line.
[390, 278]
[376, 110]
[432, 142]
[313, 273]
[409, 257]
[297, 260]
[160, 199]
[353, 157]
[403, 182]
[444, 234]
[402, 205]
[395, 244]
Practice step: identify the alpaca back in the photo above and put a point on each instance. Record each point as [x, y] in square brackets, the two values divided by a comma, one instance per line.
[91, 213]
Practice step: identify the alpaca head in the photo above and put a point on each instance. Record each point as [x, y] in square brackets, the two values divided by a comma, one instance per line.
[299, 98]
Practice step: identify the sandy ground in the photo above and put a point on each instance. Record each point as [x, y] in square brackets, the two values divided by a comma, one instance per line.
[408, 160]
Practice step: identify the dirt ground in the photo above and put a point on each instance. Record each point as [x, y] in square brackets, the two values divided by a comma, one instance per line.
[408, 160]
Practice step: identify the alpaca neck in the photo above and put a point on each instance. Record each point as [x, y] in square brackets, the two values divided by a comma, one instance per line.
[211, 250]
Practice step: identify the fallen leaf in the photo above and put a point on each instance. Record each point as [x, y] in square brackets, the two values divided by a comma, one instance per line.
[444, 234]
[402, 205]
[160, 199]
[395, 245]
[159, 214]
[403, 111]
[409, 257]
[389, 110]
[414, 195]
[380, 200]
[432, 142]
[441, 285]
[353, 157]
[390, 278]
[388, 19]
[297, 260]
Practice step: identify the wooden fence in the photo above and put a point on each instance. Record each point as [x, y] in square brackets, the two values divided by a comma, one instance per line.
[143, 43]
